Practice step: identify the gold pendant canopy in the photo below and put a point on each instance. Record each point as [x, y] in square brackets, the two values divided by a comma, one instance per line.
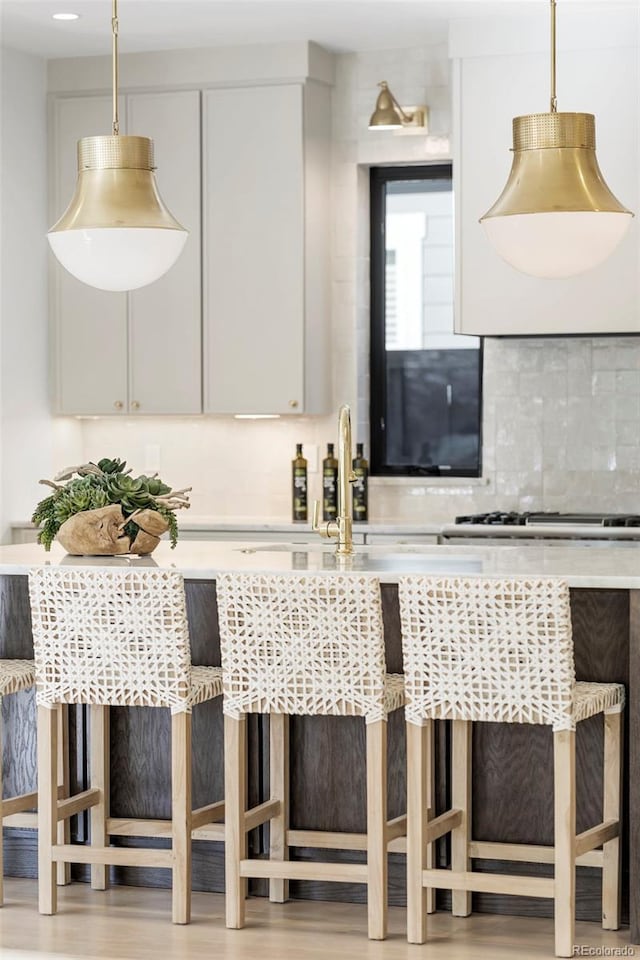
[554, 168]
[116, 187]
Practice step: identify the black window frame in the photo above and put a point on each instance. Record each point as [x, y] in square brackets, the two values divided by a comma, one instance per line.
[379, 177]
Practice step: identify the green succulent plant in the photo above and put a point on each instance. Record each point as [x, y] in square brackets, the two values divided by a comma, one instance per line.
[91, 486]
[112, 466]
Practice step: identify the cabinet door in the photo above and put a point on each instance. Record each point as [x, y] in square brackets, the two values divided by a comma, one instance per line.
[165, 318]
[254, 250]
[492, 297]
[90, 325]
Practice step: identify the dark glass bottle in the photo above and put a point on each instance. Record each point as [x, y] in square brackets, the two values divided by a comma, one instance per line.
[360, 485]
[329, 485]
[299, 485]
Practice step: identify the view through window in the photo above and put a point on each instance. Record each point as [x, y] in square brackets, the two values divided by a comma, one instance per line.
[425, 380]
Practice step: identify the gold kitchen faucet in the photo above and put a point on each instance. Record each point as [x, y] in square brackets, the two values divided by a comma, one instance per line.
[340, 529]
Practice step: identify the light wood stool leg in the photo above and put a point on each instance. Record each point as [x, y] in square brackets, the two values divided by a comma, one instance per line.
[235, 835]
[47, 809]
[181, 805]
[279, 785]
[461, 800]
[564, 751]
[611, 810]
[431, 802]
[99, 750]
[63, 870]
[418, 760]
[377, 829]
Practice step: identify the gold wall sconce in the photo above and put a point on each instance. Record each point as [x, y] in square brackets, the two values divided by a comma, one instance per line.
[389, 115]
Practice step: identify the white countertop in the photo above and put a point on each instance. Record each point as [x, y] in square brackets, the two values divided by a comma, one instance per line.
[274, 525]
[610, 566]
[250, 525]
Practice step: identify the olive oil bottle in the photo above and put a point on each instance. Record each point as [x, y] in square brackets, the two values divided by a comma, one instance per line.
[361, 485]
[299, 485]
[329, 485]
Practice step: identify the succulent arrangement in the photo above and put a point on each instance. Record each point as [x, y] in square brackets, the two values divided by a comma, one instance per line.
[121, 513]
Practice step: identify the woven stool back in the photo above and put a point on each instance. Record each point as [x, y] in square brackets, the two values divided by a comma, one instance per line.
[481, 649]
[115, 637]
[302, 644]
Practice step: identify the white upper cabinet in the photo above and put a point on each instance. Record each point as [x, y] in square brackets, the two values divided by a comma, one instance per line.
[266, 242]
[139, 353]
[489, 90]
[165, 318]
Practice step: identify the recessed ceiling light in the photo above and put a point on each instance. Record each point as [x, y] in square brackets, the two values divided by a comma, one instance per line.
[65, 16]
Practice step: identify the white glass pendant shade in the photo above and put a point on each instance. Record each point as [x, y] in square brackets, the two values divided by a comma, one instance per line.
[556, 216]
[556, 244]
[116, 234]
[117, 258]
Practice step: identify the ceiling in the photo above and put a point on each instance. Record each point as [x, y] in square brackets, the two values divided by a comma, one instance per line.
[339, 25]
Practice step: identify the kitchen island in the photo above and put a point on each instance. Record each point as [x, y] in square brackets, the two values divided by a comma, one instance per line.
[513, 799]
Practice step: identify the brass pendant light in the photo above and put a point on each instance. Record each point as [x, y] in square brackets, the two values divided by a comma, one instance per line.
[116, 233]
[556, 216]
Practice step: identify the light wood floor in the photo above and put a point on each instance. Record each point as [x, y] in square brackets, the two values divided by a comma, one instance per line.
[129, 923]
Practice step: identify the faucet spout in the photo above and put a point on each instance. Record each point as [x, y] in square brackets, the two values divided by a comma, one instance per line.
[341, 529]
[346, 477]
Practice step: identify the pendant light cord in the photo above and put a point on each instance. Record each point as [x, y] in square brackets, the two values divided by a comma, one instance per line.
[114, 50]
[554, 101]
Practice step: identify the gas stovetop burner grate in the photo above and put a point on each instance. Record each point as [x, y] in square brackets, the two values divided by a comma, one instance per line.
[498, 517]
[515, 519]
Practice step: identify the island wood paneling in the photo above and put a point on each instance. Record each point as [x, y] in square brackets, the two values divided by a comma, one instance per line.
[18, 724]
[512, 781]
[632, 797]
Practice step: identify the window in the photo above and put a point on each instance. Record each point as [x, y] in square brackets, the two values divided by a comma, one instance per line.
[425, 381]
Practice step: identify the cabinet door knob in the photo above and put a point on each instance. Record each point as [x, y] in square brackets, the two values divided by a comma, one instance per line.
[293, 403]
[135, 405]
[118, 404]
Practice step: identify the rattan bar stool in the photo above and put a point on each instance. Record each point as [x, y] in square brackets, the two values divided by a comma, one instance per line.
[477, 649]
[312, 645]
[116, 637]
[15, 677]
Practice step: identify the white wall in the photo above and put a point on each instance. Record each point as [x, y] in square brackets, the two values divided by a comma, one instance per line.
[28, 434]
